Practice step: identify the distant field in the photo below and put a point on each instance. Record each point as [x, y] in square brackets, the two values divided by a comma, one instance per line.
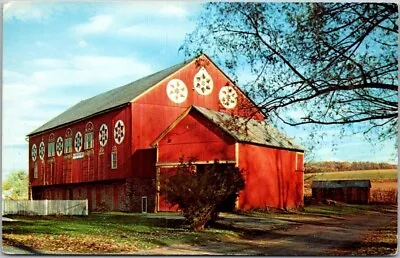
[359, 174]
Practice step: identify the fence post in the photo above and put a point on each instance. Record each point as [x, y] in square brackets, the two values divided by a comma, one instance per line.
[87, 207]
[46, 204]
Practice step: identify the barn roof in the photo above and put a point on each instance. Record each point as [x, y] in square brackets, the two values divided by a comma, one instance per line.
[109, 100]
[341, 184]
[242, 129]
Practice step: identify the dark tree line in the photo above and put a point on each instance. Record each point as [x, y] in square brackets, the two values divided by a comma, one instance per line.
[310, 63]
[335, 166]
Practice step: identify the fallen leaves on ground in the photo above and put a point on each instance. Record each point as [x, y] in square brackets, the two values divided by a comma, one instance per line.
[380, 242]
[92, 244]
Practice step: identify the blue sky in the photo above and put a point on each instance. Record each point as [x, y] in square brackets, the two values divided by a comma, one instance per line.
[56, 54]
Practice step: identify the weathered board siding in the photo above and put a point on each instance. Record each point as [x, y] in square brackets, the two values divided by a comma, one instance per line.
[271, 177]
[45, 207]
[198, 138]
[357, 195]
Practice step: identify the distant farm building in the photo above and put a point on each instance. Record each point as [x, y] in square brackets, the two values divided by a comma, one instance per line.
[348, 191]
[112, 148]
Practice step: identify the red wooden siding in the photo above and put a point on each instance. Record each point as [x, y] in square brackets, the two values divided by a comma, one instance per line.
[359, 195]
[270, 176]
[163, 204]
[158, 95]
[154, 111]
[196, 137]
[90, 168]
[148, 122]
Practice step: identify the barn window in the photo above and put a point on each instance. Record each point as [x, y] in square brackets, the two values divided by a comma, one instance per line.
[68, 145]
[35, 170]
[144, 204]
[114, 158]
[68, 141]
[51, 146]
[299, 161]
[89, 140]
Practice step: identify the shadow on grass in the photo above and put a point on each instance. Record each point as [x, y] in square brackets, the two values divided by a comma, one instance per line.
[20, 245]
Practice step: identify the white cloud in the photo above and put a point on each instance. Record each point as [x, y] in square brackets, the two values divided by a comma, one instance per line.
[82, 43]
[155, 31]
[97, 24]
[98, 72]
[29, 10]
[41, 44]
[138, 19]
[173, 10]
[48, 63]
[16, 91]
[85, 70]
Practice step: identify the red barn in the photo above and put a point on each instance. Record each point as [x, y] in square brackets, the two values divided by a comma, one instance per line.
[111, 148]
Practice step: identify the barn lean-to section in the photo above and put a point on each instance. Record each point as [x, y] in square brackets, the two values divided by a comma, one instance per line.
[104, 148]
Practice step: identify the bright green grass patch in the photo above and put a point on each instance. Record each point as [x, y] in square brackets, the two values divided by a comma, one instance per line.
[353, 175]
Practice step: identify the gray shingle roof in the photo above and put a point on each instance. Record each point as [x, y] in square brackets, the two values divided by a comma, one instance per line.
[108, 100]
[250, 130]
[341, 183]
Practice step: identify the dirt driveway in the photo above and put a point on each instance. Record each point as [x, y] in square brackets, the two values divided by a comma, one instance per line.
[288, 235]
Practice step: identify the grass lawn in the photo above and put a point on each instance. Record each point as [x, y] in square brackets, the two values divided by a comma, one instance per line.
[102, 232]
[349, 175]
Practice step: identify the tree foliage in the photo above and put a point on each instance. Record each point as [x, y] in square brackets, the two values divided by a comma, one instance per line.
[327, 63]
[15, 187]
[200, 192]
